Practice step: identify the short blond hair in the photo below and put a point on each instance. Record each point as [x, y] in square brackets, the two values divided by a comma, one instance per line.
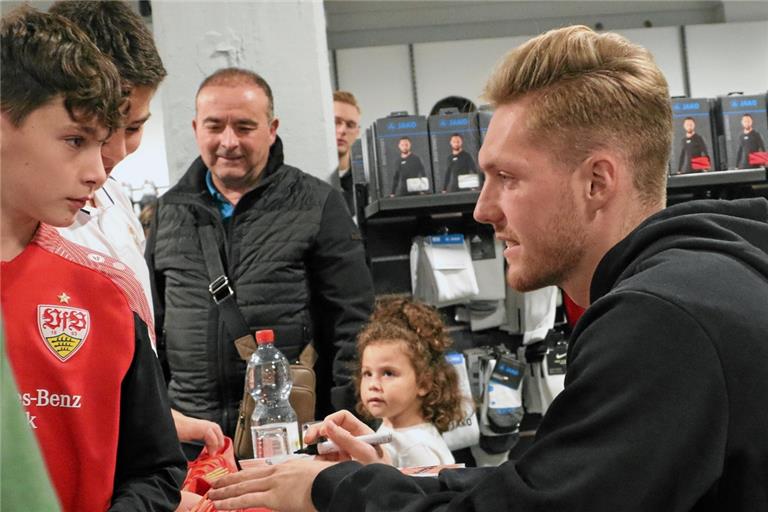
[346, 97]
[592, 91]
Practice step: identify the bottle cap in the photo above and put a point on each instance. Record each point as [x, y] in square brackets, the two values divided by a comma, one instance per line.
[265, 336]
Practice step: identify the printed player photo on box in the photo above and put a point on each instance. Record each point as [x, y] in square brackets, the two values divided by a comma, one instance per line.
[692, 147]
[745, 127]
[403, 156]
[454, 140]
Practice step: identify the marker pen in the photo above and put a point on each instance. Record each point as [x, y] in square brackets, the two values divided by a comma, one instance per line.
[330, 446]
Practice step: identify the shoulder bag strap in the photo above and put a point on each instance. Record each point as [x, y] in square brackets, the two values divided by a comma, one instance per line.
[222, 294]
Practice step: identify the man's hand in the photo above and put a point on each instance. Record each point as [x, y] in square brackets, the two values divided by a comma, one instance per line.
[342, 427]
[193, 429]
[286, 487]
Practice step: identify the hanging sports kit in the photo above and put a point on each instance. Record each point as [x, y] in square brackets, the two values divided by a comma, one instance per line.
[441, 270]
[501, 408]
[546, 364]
[503, 403]
[466, 433]
[693, 144]
[402, 154]
[454, 144]
[743, 124]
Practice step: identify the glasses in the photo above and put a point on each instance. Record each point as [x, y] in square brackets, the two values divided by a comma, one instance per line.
[351, 125]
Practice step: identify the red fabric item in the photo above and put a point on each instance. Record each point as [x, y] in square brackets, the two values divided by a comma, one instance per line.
[758, 158]
[700, 163]
[572, 310]
[208, 467]
[205, 469]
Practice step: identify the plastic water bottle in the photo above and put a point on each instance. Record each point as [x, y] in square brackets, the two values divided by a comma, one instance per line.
[274, 425]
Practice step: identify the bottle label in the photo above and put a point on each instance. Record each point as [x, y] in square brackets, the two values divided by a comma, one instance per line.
[275, 439]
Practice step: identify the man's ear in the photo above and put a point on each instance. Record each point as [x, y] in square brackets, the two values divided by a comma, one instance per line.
[600, 174]
[273, 130]
[194, 125]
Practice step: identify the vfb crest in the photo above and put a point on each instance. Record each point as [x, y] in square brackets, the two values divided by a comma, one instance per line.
[63, 328]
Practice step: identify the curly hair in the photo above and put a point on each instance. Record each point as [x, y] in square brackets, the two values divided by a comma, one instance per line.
[45, 55]
[419, 327]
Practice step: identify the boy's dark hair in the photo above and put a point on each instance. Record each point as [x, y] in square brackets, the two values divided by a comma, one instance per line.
[121, 34]
[230, 77]
[43, 56]
[422, 330]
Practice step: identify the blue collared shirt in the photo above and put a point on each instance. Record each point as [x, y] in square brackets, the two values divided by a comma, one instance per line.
[225, 207]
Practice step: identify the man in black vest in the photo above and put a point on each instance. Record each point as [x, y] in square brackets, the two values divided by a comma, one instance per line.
[346, 113]
[292, 254]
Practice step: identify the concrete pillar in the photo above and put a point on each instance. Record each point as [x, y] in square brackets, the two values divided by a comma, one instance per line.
[282, 40]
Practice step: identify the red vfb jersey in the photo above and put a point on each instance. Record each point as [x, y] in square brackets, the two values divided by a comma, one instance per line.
[68, 314]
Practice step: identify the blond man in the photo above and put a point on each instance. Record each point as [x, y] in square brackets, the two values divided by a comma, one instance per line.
[346, 113]
[664, 399]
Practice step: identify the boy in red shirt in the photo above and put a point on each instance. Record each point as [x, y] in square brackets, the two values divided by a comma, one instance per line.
[76, 321]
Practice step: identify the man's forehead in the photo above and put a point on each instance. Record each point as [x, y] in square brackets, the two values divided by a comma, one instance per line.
[233, 92]
[242, 101]
[345, 110]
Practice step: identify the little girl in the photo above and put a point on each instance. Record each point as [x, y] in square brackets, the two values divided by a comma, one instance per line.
[405, 380]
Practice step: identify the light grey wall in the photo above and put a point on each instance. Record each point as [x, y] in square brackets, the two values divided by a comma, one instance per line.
[379, 79]
[728, 57]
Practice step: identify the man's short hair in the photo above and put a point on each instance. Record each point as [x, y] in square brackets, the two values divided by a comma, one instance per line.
[689, 119]
[457, 135]
[230, 77]
[43, 56]
[747, 115]
[346, 97]
[120, 33]
[404, 138]
[592, 91]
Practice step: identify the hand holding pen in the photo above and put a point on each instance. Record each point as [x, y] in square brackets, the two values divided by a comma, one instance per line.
[328, 447]
[342, 428]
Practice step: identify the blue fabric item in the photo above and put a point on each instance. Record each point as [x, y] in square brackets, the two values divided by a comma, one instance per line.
[225, 207]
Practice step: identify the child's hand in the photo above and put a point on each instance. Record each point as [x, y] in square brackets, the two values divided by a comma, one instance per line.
[342, 427]
[193, 429]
